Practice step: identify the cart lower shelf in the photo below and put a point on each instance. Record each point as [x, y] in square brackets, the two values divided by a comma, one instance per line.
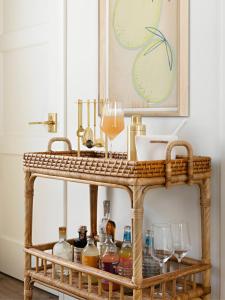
[79, 282]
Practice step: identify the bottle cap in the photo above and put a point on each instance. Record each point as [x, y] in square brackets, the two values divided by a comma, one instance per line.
[106, 202]
[62, 229]
[82, 228]
[127, 233]
[136, 124]
[136, 119]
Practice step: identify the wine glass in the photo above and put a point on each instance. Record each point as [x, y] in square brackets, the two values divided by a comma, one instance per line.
[162, 248]
[181, 244]
[112, 121]
[181, 240]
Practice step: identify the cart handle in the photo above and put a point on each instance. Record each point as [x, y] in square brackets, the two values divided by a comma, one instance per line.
[59, 139]
[169, 149]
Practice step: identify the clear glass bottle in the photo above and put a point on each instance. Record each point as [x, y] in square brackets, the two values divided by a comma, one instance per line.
[62, 249]
[109, 262]
[80, 243]
[150, 265]
[107, 225]
[125, 267]
[101, 243]
[90, 257]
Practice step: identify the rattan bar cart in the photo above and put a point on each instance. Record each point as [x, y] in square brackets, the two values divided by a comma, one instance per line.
[136, 178]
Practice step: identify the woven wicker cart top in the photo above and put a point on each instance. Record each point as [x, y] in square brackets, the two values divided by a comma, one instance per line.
[91, 165]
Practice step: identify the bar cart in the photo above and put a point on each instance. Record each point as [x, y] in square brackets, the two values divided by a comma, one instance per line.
[136, 178]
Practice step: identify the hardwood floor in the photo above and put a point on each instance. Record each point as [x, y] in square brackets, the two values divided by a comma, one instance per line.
[12, 289]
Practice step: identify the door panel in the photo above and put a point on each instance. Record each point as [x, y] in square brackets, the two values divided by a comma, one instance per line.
[25, 13]
[32, 84]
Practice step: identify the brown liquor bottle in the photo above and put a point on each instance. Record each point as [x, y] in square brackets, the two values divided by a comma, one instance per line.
[80, 243]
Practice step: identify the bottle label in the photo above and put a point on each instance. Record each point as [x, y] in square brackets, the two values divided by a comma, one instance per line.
[125, 267]
[109, 267]
[126, 262]
[77, 254]
[91, 261]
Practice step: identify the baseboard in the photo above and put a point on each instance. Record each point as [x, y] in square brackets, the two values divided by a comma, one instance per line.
[12, 260]
[11, 257]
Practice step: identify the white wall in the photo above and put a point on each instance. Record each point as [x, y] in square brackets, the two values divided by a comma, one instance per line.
[202, 129]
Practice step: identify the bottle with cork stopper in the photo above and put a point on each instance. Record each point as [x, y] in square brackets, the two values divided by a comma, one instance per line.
[135, 128]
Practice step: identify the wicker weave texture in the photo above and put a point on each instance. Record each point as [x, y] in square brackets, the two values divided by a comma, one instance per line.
[97, 170]
[92, 162]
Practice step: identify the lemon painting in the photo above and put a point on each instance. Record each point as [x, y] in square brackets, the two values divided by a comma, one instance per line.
[133, 34]
[144, 61]
[153, 69]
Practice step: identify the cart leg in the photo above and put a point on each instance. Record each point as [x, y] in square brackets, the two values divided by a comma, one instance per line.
[29, 190]
[93, 209]
[205, 202]
[138, 212]
[27, 288]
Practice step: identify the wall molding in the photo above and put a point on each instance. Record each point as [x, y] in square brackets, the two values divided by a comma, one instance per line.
[27, 37]
[222, 148]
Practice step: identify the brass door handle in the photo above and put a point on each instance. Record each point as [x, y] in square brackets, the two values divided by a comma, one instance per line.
[52, 122]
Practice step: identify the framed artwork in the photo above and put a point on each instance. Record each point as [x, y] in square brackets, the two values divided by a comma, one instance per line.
[144, 55]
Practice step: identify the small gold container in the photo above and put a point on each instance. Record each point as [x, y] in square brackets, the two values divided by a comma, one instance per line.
[135, 128]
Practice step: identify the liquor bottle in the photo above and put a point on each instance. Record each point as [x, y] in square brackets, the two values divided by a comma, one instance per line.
[80, 243]
[107, 225]
[62, 249]
[109, 262]
[101, 243]
[150, 265]
[125, 254]
[125, 267]
[90, 257]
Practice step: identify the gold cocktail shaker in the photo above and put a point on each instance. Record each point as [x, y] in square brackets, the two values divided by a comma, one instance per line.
[135, 128]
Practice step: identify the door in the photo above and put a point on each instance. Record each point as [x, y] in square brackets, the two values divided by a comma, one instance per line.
[32, 84]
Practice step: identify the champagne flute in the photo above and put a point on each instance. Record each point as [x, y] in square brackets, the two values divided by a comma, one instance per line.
[112, 122]
[181, 241]
[162, 248]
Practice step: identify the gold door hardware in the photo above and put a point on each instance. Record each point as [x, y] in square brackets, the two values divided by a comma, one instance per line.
[52, 122]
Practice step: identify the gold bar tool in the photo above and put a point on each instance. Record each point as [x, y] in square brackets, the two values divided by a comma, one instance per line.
[135, 128]
[80, 130]
[88, 133]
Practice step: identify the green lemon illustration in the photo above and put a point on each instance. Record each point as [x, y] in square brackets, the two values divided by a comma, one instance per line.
[130, 19]
[154, 70]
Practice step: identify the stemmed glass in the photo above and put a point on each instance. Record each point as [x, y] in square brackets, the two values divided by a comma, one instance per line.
[162, 248]
[112, 122]
[181, 241]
